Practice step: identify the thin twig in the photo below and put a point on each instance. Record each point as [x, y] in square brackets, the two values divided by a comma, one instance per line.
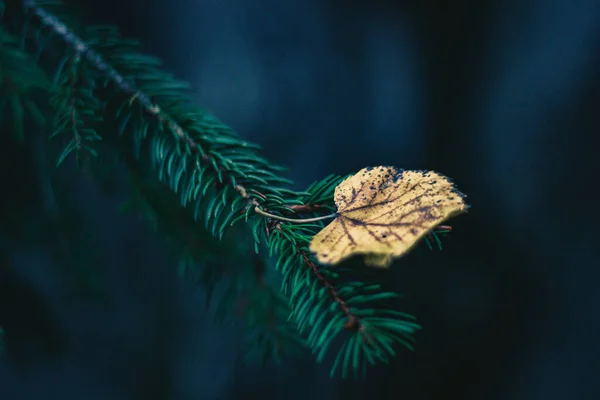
[353, 321]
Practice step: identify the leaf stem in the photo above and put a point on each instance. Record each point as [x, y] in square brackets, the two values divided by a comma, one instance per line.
[293, 220]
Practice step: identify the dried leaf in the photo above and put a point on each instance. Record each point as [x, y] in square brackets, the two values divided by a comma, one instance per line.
[383, 212]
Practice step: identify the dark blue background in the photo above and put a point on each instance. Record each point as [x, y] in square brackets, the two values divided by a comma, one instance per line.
[501, 96]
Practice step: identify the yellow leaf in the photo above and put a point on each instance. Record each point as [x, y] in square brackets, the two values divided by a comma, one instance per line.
[383, 212]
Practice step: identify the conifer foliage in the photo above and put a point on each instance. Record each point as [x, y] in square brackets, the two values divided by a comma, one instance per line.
[197, 183]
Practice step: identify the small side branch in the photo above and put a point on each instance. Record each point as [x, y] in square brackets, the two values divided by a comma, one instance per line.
[353, 322]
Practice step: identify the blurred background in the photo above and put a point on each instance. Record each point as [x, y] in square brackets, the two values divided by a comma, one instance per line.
[501, 96]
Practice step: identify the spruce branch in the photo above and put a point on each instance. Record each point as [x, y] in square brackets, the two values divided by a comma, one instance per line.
[186, 166]
[83, 50]
[215, 264]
